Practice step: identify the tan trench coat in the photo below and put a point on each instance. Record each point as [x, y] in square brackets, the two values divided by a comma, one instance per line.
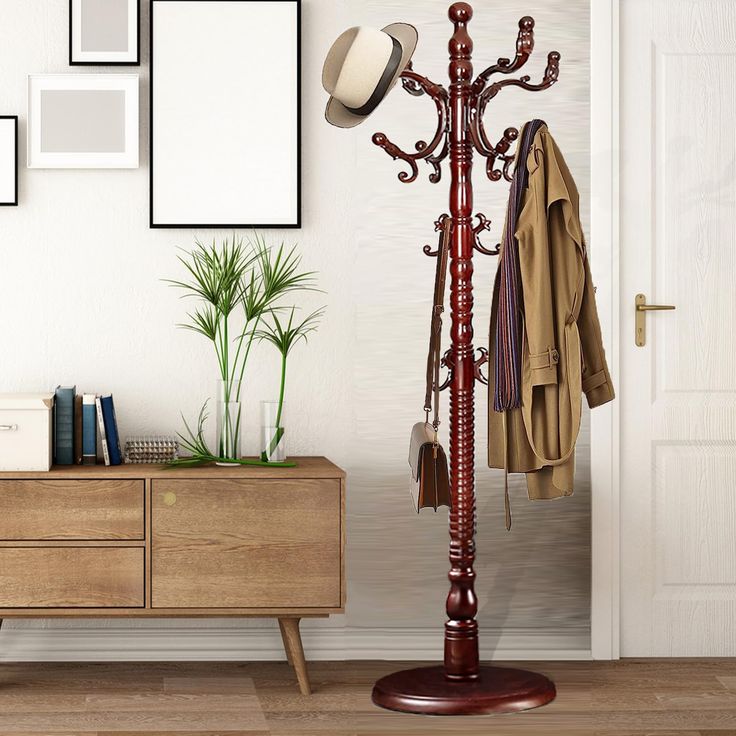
[562, 355]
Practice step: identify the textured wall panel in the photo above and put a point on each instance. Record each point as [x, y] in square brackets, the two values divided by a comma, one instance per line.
[83, 302]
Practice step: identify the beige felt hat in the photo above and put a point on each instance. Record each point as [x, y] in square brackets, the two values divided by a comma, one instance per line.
[361, 68]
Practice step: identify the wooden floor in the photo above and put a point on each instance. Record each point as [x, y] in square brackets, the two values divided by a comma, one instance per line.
[627, 698]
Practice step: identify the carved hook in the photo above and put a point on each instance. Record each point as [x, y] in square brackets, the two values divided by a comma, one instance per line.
[448, 361]
[551, 74]
[479, 364]
[411, 85]
[484, 94]
[439, 226]
[424, 150]
[499, 151]
[483, 224]
[524, 48]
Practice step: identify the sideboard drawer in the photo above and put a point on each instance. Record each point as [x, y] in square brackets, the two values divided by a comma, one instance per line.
[246, 543]
[71, 509]
[71, 577]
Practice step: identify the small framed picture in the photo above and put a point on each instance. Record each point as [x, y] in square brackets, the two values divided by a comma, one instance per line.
[8, 160]
[83, 121]
[104, 32]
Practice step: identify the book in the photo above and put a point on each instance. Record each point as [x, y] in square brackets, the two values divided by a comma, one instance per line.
[89, 429]
[64, 425]
[101, 426]
[111, 430]
[78, 429]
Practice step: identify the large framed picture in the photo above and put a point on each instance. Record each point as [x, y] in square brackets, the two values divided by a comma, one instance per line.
[8, 160]
[225, 114]
[104, 32]
[83, 121]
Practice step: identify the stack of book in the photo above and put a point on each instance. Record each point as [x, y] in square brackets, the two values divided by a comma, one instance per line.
[77, 420]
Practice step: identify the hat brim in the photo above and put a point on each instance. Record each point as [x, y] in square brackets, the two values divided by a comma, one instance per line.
[337, 114]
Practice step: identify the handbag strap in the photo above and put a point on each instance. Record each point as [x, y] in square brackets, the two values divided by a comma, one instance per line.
[434, 358]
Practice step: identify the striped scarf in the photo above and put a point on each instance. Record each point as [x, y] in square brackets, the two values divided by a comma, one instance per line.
[508, 320]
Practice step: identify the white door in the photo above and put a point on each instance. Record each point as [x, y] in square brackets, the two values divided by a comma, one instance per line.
[677, 393]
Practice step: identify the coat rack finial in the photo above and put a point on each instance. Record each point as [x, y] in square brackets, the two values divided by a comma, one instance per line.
[460, 13]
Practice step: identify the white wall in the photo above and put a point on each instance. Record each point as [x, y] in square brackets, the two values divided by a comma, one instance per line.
[83, 302]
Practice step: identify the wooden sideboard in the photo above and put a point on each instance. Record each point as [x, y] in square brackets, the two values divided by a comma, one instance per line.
[145, 540]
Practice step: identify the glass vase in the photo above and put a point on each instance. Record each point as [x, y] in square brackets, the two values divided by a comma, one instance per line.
[229, 420]
[273, 435]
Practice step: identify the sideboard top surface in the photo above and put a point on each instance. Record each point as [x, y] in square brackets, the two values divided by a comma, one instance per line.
[306, 467]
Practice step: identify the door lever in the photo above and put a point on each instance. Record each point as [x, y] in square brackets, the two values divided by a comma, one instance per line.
[640, 322]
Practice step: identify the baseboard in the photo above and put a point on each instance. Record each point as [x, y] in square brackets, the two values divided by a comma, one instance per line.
[264, 644]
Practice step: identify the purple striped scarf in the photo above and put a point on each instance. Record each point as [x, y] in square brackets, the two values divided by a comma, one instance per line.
[508, 319]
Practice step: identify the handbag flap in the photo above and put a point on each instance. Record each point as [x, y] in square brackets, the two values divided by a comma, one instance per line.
[422, 433]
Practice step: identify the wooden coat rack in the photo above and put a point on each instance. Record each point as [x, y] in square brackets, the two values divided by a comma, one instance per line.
[461, 685]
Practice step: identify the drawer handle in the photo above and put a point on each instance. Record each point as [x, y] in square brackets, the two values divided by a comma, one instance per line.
[8, 427]
[169, 498]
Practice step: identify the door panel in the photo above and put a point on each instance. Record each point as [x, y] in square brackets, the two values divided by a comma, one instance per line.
[246, 544]
[678, 393]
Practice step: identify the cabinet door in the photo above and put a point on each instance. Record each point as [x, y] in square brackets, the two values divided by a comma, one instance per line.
[246, 544]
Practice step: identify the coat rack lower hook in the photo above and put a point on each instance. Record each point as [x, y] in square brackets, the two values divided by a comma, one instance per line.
[448, 361]
[439, 226]
[479, 364]
[483, 224]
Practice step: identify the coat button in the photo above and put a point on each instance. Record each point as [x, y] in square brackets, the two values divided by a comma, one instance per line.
[555, 356]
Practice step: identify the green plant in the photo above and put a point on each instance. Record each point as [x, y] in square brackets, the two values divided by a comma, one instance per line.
[195, 444]
[284, 336]
[236, 283]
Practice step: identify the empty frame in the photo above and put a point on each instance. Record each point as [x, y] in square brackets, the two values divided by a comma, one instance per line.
[8, 159]
[104, 32]
[225, 113]
[83, 121]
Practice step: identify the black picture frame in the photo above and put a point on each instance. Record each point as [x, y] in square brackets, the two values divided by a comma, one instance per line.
[297, 224]
[136, 62]
[14, 118]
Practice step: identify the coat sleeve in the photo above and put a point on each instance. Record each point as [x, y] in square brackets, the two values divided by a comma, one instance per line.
[596, 380]
[536, 274]
[597, 384]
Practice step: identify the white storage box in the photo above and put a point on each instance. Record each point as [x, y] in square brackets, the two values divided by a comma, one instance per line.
[25, 431]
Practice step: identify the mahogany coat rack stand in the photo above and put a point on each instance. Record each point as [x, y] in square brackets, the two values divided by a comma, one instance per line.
[461, 685]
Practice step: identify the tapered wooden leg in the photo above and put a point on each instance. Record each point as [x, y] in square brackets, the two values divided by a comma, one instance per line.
[283, 638]
[295, 652]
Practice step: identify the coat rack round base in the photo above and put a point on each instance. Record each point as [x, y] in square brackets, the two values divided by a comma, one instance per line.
[462, 686]
[495, 690]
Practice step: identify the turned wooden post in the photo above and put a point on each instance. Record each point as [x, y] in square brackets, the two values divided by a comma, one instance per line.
[461, 629]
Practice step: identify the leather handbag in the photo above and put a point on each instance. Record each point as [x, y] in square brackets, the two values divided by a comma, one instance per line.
[427, 458]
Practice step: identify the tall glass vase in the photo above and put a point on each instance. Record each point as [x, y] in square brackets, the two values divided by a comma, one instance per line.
[273, 435]
[229, 420]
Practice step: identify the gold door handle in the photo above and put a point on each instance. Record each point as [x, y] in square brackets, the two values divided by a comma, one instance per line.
[640, 323]
[652, 307]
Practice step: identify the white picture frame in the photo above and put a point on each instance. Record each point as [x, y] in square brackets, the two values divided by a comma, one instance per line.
[83, 121]
[225, 114]
[8, 160]
[104, 32]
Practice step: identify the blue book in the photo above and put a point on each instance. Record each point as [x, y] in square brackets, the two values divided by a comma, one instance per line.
[111, 430]
[89, 430]
[64, 425]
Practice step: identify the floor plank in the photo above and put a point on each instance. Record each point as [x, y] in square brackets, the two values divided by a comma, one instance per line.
[625, 698]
